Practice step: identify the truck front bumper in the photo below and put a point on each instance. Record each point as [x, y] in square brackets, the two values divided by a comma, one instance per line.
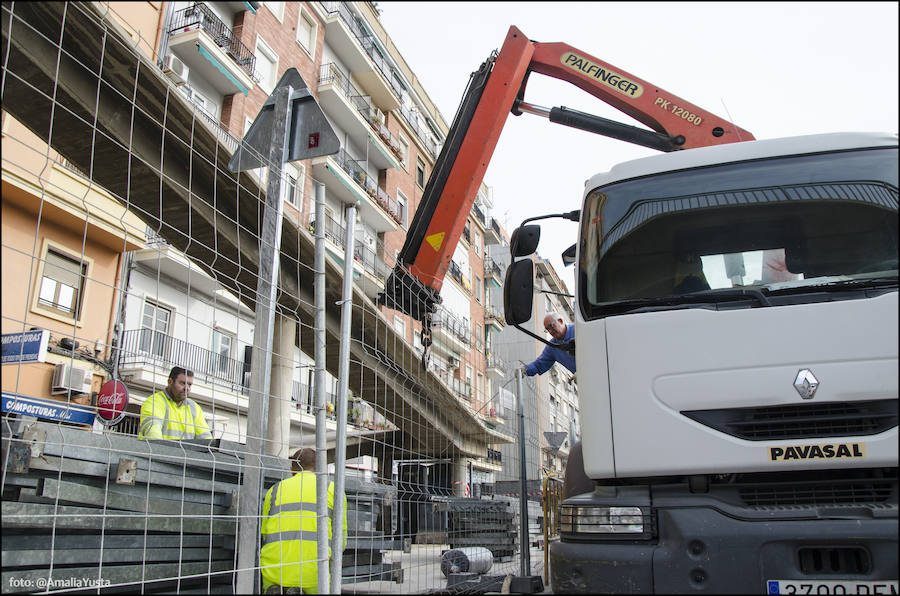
[702, 550]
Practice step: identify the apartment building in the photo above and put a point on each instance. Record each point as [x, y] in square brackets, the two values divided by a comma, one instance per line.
[225, 58]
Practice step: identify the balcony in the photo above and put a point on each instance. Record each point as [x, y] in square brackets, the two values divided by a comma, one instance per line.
[427, 140]
[492, 233]
[455, 272]
[144, 351]
[458, 386]
[356, 48]
[370, 270]
[495, 367]
[349, 182]
[493, 271]
[354, 114]
[211, 49]
[493, 316]
[450, 332]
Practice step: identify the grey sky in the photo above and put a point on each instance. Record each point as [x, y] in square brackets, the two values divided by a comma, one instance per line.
[781, 69]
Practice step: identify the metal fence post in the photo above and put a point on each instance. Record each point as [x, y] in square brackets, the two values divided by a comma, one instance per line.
[340, 447]
[524, 548]
[261, 365]
[321, 439]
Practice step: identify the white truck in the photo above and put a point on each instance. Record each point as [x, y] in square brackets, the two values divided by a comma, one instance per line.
[736, 323]
[736, 329]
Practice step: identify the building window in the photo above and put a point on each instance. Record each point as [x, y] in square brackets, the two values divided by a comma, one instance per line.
[221, 346]
[400, 326]
[155, 329]
[420, 173]
[62, 284]
[404, 151]
[277, 9]
[295, 174]
[476, 241]
[306, 32]
[478, 291]
[402, 203]
[266, 65]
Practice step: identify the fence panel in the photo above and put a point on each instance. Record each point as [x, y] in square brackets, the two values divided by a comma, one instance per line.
[128, 249]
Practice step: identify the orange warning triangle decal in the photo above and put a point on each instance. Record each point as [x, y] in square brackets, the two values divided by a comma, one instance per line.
[435, 240]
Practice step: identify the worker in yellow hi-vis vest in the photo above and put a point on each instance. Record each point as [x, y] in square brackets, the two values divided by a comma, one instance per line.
[288, 557]
[171, 414]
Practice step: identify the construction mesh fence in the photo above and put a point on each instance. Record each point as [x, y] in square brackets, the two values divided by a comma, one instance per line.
[129, 248]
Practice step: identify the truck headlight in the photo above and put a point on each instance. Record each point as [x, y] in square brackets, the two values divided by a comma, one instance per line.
[603, 520]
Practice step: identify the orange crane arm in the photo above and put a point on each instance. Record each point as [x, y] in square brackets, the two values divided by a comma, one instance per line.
[494, 91]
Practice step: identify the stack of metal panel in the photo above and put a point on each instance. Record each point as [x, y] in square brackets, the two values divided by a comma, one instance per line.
[480, 522]
[369, 532]
[92, 510]
[88, 510]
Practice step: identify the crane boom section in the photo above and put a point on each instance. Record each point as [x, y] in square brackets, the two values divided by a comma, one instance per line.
[495, 91]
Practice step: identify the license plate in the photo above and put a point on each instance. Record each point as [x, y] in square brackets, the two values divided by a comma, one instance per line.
[793, 586]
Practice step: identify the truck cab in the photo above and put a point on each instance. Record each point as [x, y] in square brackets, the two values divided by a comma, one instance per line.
[737, 346]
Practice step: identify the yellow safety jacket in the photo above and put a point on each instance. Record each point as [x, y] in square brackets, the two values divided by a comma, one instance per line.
[162, 418]
[288, 556]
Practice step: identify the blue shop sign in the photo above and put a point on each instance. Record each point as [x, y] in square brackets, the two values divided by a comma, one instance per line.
[43, 408]
[26, 346]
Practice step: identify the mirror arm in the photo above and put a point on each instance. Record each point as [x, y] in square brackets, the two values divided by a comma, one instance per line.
[534, 335]
[570, 215]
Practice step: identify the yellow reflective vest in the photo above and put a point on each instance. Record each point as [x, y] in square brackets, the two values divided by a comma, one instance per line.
[162, 418]
[288, 556]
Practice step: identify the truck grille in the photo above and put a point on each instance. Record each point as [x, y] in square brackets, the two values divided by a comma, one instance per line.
[834, 561]
[809, 491]
[805, 421]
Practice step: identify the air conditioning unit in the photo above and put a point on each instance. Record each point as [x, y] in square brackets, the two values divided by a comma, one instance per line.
[68, 378]
[176, 70]
[453, 362]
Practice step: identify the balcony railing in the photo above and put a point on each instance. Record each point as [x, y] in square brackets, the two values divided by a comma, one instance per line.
[148, 347]
[459, 328]
[491, 267]
[199, 15]
[363, 254]
[495, 362]
[369, 185]
[413, 120]
[365, 40]
[331, 74]
[456, 273]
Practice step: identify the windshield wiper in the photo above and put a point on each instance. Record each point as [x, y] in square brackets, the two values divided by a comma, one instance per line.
[702, 297]
[832, 284]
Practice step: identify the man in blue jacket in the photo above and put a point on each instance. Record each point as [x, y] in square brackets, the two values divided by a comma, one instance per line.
[562, 334]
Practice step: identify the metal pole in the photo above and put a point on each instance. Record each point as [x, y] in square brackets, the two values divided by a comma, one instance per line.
[321, 445]
[524, 548]
[340, 446]
[261, 364]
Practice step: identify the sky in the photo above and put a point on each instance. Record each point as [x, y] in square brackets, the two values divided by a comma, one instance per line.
[775, 69]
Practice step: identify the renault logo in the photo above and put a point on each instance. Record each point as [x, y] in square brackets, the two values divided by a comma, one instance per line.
[806, 384]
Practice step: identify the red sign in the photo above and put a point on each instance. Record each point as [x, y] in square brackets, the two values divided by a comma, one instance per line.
[111, 402]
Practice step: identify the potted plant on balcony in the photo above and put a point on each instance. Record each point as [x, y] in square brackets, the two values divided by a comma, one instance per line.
[329, 409]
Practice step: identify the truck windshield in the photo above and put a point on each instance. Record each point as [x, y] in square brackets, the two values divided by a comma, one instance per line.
[749, 233]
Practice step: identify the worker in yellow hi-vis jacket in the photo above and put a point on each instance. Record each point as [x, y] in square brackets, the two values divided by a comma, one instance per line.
[171, 414]
[288, 557]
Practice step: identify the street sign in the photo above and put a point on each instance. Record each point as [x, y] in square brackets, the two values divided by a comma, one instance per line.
[310, 134]
[27, 346]
[111, 402]
[14, 403]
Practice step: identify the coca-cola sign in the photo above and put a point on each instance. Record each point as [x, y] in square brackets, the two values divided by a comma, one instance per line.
[111, 402]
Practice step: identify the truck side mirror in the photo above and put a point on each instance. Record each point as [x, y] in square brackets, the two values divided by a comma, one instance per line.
[524, 241]
[568, 256]
[518, 291]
